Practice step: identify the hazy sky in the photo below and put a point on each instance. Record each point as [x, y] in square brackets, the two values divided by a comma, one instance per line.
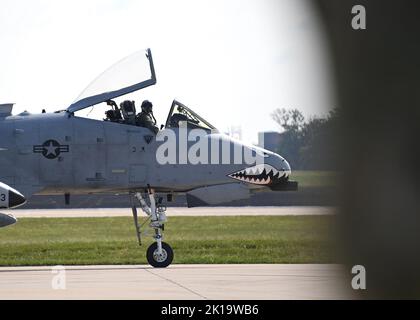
[232, 61]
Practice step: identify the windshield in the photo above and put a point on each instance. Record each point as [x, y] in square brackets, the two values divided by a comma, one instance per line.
[182, 114]
[128, 75]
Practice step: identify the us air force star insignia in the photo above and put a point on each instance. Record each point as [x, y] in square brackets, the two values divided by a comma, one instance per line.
[148, 139]
[51, 149]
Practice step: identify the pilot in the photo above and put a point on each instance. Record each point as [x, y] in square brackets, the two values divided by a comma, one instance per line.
[146, 118]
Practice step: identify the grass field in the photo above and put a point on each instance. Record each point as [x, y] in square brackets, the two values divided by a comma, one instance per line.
[315, 178]
[81, 241]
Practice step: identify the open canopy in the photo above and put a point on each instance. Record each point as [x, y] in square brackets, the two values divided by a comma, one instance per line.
[130, 74]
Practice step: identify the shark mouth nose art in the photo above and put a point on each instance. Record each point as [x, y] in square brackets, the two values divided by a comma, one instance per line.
[262, 174]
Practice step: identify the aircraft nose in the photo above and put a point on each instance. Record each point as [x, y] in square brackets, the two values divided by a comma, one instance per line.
[15, 199]
[286, 166]
[282, 164]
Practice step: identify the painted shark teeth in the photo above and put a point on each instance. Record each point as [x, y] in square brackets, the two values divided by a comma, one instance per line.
[263, 174]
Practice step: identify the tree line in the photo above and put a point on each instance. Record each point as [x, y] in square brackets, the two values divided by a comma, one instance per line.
[307, 144]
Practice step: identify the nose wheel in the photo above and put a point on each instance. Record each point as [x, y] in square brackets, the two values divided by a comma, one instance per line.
[159, 254]
[160, 260]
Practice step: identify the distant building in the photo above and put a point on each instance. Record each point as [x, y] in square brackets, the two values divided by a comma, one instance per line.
[269, 140]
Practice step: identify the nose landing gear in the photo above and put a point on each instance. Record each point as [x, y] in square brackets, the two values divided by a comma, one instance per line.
[159, 254]
[160, 260]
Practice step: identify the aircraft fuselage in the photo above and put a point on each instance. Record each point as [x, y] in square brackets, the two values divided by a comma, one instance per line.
[60, 153]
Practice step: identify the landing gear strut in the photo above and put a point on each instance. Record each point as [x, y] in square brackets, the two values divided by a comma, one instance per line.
[159, 254]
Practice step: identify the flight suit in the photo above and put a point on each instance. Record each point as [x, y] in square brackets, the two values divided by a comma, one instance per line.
[144, 119]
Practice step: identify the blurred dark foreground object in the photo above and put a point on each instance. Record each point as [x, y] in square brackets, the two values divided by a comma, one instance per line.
[378, 86]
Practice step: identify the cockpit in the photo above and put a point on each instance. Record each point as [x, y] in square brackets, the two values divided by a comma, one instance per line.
[181, 115]
[124, 114]
[131, 74]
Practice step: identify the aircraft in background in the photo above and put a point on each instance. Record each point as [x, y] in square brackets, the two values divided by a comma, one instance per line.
[9, 198]
[64, 153]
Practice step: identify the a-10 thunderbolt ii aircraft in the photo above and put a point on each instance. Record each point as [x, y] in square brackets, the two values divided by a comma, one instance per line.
[65, 153]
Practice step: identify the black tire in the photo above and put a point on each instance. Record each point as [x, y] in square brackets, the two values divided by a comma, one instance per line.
[158, 263]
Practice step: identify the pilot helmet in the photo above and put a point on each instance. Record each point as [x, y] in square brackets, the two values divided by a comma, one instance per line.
[147, 106]
[128, 110]
[128, 107]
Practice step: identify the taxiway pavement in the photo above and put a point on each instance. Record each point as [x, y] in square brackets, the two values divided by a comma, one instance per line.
[175, 211]
[183, 282]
